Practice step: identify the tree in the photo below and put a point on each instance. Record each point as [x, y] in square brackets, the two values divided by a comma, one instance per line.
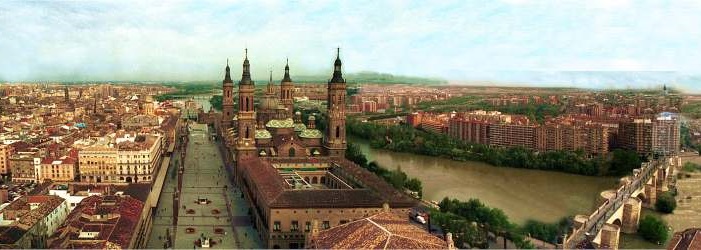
[666, 203]
[653, 229]
[216, 102]
[414, 184]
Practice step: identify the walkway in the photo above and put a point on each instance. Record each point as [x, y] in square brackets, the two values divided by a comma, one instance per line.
[598, 218]
[204, 178]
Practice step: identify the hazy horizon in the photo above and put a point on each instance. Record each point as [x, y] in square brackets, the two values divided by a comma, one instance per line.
[607, 44]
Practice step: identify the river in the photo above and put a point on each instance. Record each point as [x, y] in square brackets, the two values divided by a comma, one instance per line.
[522, 194]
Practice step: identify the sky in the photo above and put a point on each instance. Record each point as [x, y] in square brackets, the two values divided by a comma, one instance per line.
[454, 40]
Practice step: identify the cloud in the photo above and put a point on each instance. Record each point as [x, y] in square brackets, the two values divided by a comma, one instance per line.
[190, 40]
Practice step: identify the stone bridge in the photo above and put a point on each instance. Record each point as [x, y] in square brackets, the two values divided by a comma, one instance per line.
[619, 209]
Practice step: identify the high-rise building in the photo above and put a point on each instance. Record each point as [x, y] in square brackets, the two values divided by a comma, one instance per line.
[666, 134]
[636, 135]
[512, 135]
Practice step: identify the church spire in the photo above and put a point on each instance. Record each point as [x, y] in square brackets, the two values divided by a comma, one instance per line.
[287, 78]
[246, 75]
[227, 77]
[337, 74]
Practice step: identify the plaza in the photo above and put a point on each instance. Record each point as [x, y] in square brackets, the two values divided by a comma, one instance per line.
[210, 206]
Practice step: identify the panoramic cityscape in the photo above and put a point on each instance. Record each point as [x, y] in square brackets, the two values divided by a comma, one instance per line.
[350, 125]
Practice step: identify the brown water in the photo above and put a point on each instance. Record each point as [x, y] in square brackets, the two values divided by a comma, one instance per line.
[521, 193]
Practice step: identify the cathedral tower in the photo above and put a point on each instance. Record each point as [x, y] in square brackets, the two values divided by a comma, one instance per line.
[335, 139]
[286, 88]
[227, 97]
[245, 143]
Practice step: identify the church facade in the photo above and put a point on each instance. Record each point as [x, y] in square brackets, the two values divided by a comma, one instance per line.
[293, 174]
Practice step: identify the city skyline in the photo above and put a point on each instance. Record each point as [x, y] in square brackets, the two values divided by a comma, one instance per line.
[504, 41]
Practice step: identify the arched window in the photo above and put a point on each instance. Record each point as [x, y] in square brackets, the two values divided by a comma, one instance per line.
[246, 132]
[246, 104]
[292, 152]
[338, 131]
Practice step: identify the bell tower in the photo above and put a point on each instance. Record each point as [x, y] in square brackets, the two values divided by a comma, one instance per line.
[286, 88]
[335, 139]
[245, 143]
[227, 98]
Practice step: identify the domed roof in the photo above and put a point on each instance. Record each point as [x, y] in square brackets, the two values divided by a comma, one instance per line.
[299, 127]
[311, 134]
[263, 134]
[275, 123]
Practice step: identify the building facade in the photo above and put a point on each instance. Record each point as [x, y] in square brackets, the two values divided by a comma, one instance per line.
[130, 161]
[29, 221]
[6, 151]
[64, 168]
[25, 166]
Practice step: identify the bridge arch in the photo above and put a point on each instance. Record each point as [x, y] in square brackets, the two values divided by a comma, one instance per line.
[617, 222]
[642, 197]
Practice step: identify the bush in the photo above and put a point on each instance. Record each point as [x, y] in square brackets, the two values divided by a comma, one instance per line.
[691, 167]
[653, 229]
[666, 203]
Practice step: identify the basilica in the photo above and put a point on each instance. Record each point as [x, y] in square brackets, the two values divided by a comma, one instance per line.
[273, 128]
[295, 177]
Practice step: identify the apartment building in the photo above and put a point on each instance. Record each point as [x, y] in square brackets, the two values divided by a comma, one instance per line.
[130, 160]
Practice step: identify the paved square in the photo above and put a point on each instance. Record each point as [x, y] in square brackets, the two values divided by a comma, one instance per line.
[204, 178]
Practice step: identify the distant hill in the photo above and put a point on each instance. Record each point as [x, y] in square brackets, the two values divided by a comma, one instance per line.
[684, 82]
[373, 77]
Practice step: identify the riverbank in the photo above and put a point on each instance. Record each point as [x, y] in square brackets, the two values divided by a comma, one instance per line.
[522, 193]
[407, 139]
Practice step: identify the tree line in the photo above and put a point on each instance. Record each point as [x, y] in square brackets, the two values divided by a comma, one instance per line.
[404, 138]
[397, 178]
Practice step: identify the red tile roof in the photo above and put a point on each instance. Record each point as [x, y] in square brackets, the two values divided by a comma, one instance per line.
[120, 214]
[272, 189]
[386, 230]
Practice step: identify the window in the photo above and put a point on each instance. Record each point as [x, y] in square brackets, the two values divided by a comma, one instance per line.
[307, 226]
[343, 222]
[295, 226]
[325, 225]
[276, 226]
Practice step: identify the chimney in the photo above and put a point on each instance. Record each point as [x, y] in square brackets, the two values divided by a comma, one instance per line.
[449, 240]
